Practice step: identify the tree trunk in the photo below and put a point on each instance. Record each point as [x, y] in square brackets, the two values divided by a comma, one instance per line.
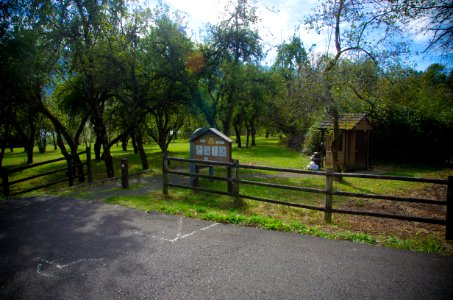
[334, 114]
[226, 127]
[108, 160]
[247, 131]
[237, 131]
[162, 142]
[124, 142]
[141, 150]
[134, 142]
[30, 143]
[334, 144]
[61, 130]
[54, 141]
[41, 140]
[63, 150]
[253, 129]
[97, 147]
[247, 139]
[2, 153]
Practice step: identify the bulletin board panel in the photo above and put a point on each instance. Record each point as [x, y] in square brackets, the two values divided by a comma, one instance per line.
[211, 147]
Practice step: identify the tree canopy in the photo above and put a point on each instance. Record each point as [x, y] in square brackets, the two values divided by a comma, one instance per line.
[109, 71]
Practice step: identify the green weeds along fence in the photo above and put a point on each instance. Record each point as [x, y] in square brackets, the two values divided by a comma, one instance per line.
[73, 170]
[234, 181]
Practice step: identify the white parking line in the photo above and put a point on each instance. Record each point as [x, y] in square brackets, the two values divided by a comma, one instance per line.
[179, 235]
[53, 263]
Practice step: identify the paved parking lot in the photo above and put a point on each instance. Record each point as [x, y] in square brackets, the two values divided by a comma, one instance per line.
[64, 248]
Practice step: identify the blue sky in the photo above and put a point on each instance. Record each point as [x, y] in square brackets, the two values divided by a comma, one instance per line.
[281, 19]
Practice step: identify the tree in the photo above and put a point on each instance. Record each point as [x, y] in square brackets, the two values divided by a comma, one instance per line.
[437, 19]
[234, 42]
[166, 49]
[34, 45]
[419, 105]
[291, 59]
[355, 26]
[26, 63]
[132, 90]
[292, 110]
[83, 28]
[256, 90]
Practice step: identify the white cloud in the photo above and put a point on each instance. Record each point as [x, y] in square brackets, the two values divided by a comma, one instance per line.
[201, 11]
[415, 30]
[279, 21]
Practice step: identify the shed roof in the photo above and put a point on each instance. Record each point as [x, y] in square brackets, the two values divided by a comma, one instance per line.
[202, 131]
[348, 122]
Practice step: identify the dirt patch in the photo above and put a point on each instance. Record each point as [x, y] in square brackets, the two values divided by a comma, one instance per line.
[397, 228]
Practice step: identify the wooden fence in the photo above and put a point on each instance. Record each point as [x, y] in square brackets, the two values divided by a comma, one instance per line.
[234, 181]
[73, 170]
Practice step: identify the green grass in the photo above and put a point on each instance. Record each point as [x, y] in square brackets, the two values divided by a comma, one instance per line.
[220, 209]
[422, 244]
[268, 152]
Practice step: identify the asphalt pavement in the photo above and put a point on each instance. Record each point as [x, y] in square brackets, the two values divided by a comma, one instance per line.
[65, 248]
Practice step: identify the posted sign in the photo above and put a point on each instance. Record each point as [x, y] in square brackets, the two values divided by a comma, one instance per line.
[210, 144]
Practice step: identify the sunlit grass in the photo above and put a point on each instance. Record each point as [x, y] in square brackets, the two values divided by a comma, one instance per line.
[268, 152]
[271, 217]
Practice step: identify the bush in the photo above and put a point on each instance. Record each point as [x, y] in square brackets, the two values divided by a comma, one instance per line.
[313, 140]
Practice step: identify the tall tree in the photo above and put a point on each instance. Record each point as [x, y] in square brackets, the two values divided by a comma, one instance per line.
[236, 42]
[166, 50]
[360, 28]
[25, 62]
[126, 55]
[84, 26]
[291, 110]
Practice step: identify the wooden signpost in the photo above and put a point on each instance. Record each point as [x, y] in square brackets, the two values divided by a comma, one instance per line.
[209, 144]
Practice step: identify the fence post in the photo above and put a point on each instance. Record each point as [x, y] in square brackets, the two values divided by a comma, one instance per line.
[124, 173]
[230, 184]
[449, 226]
[70, 170]
[211, 173]
[89, 170]
[164, 174]
[196, 181]
[5, 182]
[237, 200]
[329, 188]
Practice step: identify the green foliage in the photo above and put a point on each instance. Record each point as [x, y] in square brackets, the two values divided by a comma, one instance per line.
[313, 139]
[299, 101]
[414, 121]
[104, 71]
[422, 244]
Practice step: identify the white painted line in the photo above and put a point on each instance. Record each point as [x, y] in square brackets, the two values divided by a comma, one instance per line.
[179, 235]
[39, 268]
[42, 273]
[179, 227]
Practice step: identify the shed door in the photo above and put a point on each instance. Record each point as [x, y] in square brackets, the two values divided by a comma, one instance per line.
[361, 150]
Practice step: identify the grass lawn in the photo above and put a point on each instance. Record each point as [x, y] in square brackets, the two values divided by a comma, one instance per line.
[268, 152]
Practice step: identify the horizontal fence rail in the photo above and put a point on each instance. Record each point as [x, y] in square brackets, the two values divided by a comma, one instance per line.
[73, 171]
[234, 182]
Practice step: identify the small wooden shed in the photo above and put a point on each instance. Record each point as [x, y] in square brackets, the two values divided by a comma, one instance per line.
[354, 148]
